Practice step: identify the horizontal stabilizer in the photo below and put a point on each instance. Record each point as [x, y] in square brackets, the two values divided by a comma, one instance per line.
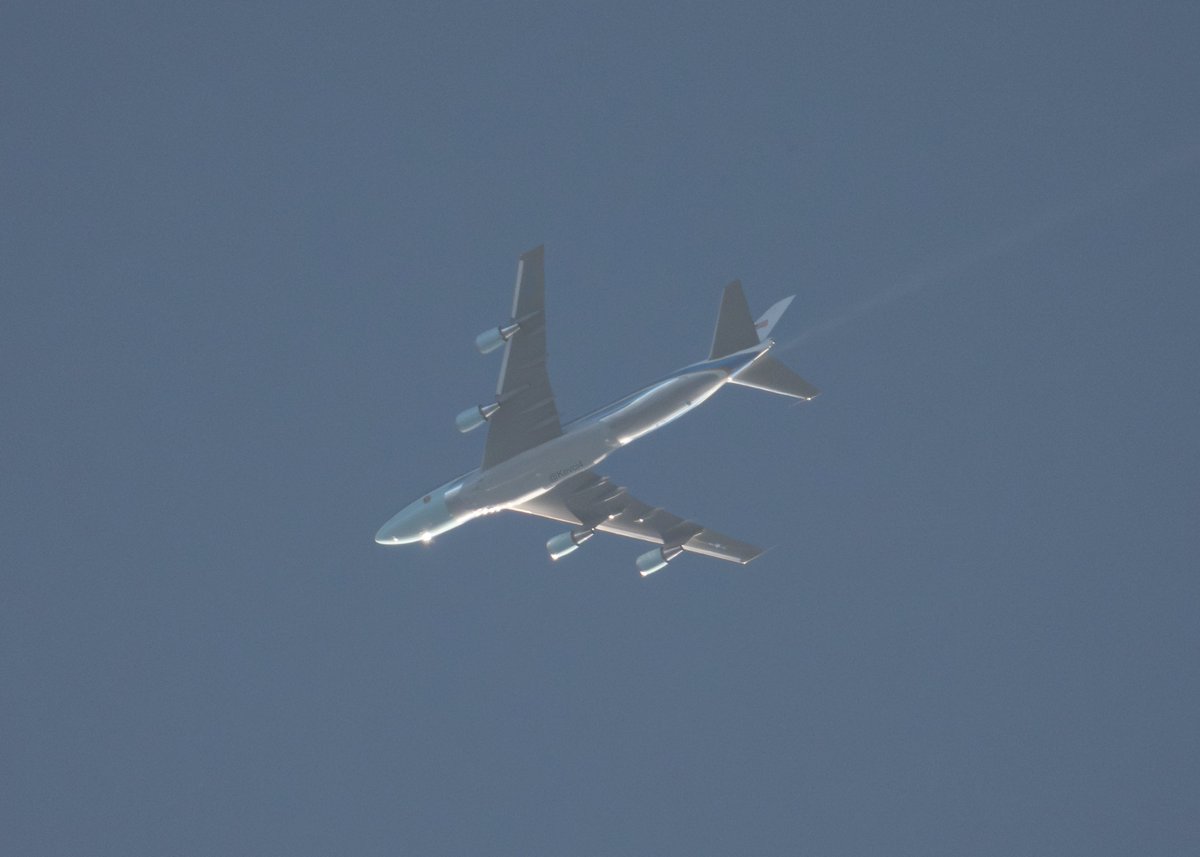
[767, 373]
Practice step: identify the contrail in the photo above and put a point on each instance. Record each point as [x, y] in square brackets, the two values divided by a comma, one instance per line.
[999, 245]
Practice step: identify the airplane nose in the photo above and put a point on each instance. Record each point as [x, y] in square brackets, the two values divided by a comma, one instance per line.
[418, 522]
[397, 531]
[385, 537]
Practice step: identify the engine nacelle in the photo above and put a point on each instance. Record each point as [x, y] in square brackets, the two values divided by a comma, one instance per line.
[564, 543]
[657, 559]
[490, 340]
[475, 416]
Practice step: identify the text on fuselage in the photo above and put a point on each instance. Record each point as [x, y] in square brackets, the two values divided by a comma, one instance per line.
[567, 471]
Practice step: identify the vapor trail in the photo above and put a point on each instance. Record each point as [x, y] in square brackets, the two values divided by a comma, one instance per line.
[999, 245]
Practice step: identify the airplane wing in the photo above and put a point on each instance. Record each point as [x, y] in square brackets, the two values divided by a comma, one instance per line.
[593, 501]
[527, 415]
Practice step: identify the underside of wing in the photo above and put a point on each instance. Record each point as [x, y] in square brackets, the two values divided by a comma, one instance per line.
[526, 416]
[590, 502]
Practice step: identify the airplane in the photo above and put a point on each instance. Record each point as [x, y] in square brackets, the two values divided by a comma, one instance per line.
[532, 463]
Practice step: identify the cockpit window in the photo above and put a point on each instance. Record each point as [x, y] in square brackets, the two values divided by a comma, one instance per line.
[426, 498]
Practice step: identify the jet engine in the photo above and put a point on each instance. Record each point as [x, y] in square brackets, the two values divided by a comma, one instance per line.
[475, 416]
[657, 559]
[562, 544]
[492, 339]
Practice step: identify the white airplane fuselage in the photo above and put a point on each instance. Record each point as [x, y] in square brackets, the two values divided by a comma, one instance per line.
[584, 443]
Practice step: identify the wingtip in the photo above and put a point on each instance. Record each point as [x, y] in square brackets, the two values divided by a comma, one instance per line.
[761, 552]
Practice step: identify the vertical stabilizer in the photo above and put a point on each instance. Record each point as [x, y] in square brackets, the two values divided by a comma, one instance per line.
[735, 326]
[766, 324]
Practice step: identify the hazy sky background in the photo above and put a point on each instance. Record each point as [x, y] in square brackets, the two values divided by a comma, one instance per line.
[245, 249]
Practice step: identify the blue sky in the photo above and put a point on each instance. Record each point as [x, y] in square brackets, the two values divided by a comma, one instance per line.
[245, 250]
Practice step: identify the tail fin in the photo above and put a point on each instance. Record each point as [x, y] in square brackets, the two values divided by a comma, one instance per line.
[735, 327]
[765, 324]
[736, 331]
[767, 373]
